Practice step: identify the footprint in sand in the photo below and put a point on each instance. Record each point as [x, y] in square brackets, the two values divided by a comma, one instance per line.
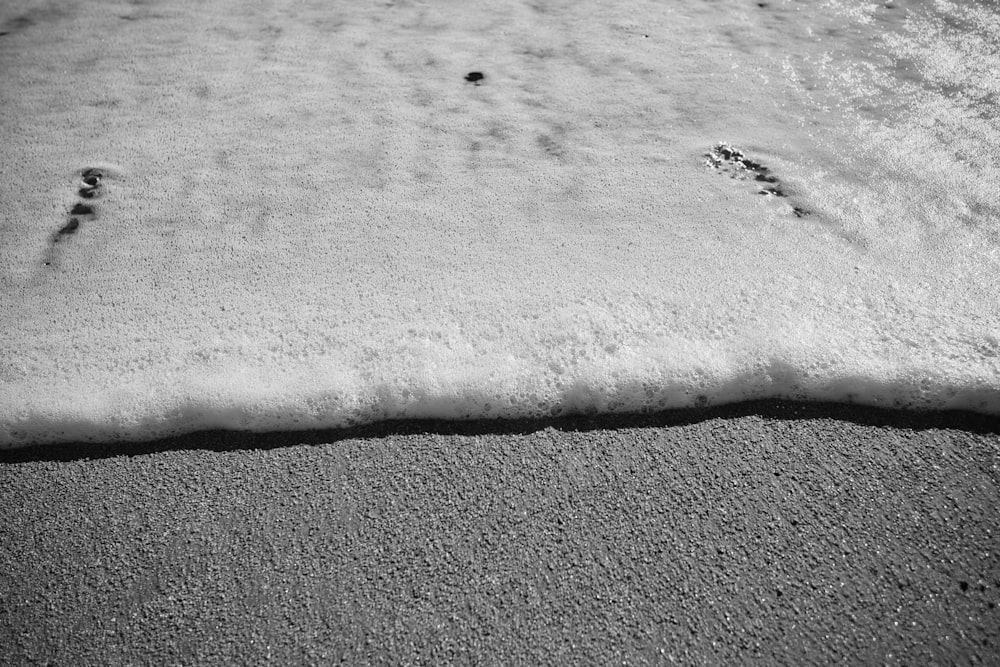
[90, 188]
[83, 209]
[726, 159]
[69, 228]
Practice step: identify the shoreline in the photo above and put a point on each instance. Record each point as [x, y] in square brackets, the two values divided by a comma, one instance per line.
[780, 409]
[777, 531]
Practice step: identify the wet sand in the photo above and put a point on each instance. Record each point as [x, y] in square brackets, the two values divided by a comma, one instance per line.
[780, 532]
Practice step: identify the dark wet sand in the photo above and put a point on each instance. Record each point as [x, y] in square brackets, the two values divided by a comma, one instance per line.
[780, 532]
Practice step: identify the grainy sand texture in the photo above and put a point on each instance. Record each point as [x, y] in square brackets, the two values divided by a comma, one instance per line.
[773, 533]
[246, 224]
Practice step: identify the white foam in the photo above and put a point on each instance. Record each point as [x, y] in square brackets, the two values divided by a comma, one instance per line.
[311, 220]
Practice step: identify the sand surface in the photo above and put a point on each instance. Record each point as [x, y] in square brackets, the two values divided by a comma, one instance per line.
[785, 533]
[307, 216]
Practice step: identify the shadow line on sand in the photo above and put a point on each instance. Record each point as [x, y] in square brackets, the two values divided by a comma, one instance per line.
[769, 409]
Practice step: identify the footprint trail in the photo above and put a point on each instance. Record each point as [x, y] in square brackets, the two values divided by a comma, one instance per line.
[91, 187]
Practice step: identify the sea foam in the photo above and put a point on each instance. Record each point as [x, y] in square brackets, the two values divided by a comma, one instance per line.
[330, 223]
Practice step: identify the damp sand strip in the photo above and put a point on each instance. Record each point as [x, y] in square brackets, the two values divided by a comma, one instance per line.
[786, 532]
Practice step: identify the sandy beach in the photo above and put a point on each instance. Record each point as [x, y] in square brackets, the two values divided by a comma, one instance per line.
[281, 215]
[771, 532]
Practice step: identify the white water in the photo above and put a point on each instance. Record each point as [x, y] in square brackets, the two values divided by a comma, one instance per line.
[308, 218]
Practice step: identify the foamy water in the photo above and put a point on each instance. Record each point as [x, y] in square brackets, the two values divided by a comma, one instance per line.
[300, 215]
